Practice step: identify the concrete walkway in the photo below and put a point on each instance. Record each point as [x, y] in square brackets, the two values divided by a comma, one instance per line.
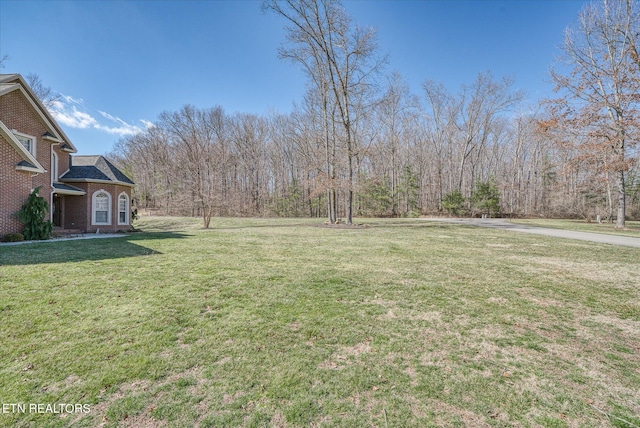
[496, 223]
[84, 236]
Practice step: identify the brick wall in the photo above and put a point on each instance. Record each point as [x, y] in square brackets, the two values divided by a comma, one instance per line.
[15, 187]
[63, 160]
[76, 209]
[114, 190]
[17, 113]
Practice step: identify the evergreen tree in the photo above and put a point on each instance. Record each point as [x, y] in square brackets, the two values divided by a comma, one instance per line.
[33, 214]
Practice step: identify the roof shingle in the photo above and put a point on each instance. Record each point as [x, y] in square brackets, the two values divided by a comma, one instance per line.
[94, 168]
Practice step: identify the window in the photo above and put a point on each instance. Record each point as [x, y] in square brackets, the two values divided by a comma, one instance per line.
[27, 141]
[54, 166]
[123, 209]
[101, 208]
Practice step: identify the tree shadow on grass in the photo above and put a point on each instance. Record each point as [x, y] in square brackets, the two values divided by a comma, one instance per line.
[77, 250]
[411, 224]
[258, 226]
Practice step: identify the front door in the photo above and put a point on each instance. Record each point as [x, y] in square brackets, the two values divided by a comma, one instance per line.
[57, 210]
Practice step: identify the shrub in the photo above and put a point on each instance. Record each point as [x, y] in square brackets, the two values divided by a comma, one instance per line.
[33, 215]
[13, 237]
[454, 202]
[486, 197]
[375, 197]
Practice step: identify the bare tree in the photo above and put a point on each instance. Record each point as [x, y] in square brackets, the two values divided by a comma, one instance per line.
[195, 136]
[249, 134]
[480, 107]
[441, 110]
[340, 60]
[45, 94]
[394, 111]
[599, 107]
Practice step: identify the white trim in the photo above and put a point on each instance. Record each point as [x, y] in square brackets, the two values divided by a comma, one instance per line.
[28, 169]
[34, 142]
[25, 154]
[126, 210]
[8, 87]
[51, 207]
[93, 180]
[54, 139]
[77, 191]
[93, 208]
[69, 192]
[49, 121]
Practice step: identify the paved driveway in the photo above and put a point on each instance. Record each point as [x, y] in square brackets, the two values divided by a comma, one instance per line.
[495, 223]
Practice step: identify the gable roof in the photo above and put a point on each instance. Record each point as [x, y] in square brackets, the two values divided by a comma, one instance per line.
[15, 82]
[94, 169]
[29, 162]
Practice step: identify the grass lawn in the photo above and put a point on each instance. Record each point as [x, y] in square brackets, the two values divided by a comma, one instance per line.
[276, 323]
[632, 227]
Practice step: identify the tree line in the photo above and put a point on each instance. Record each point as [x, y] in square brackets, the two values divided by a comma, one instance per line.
[360, 143]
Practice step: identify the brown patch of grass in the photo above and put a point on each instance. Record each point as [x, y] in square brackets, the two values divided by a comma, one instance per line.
[621, 275]
[278, 420]
[360, 348]
[230, 398]
[99, 410]
[445, 412]
[142, 421]
[341, 357]
[626, 326]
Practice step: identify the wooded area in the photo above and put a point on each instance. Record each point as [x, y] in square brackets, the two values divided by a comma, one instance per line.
[360, 143]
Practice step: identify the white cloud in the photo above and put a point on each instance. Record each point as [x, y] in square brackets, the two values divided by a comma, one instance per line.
[69, 99]
[147, 124]
[122, 129]
[71, 112]
[72, 117]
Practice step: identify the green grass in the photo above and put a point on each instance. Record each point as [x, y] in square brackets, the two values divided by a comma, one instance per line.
[632, 227]
[261, 322]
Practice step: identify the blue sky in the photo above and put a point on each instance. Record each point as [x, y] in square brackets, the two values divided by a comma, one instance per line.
[119, 64]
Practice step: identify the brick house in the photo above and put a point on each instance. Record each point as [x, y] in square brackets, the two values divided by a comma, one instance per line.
[84, 193]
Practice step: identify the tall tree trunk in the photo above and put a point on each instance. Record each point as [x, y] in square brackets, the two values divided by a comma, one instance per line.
[350, 197]
[622, 200]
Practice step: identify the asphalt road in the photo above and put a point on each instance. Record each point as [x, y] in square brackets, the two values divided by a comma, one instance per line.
[494, 223]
